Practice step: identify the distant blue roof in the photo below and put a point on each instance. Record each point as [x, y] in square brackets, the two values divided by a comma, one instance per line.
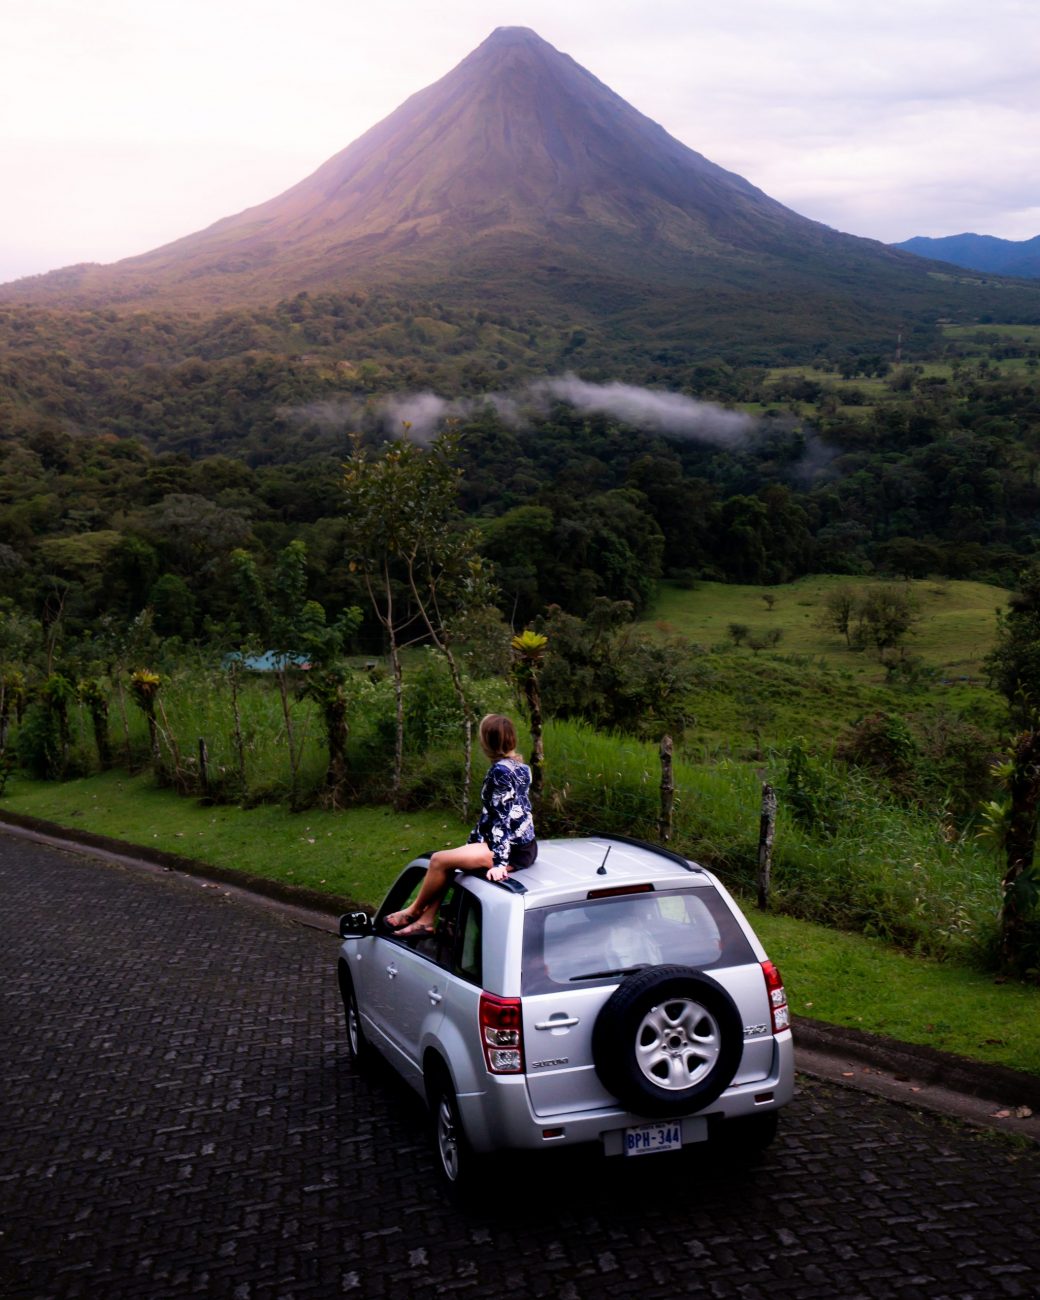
[269, 662]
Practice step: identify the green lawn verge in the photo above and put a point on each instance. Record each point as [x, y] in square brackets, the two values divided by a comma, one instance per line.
[356, 853]
[848, 979]
[830, 975]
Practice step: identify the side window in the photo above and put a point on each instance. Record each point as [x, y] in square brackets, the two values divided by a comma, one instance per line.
[456, 941]
[467, 962]
[402, 895]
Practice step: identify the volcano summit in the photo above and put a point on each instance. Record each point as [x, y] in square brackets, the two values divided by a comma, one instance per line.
[519, 173]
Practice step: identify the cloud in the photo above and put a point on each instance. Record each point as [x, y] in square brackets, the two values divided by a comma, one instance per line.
[651, 409]
[420, 415]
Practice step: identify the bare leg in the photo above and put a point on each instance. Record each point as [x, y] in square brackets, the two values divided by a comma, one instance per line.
[443, 864]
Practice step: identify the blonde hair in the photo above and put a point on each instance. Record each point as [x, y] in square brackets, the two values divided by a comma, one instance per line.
[498, 736]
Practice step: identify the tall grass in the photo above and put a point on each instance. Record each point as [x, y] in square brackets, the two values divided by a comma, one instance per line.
[871, 865]
[879, 868]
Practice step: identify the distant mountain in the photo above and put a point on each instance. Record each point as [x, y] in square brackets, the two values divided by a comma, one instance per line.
[519, 179]
[981, 253]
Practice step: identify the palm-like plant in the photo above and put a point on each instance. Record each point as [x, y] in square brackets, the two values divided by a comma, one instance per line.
[528, 652]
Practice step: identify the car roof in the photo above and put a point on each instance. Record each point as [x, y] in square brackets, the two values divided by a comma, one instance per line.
[569, 868]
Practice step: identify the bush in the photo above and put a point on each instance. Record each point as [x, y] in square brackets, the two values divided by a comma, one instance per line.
[39, 746]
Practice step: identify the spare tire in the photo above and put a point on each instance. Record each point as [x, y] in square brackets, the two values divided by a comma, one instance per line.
[668, 1041]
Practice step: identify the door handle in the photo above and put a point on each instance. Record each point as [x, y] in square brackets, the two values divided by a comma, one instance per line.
[434, 996]
[560, 1022]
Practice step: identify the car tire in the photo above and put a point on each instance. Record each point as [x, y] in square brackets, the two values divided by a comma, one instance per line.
[668, 1041]
[459, 1166]
[357, 1044]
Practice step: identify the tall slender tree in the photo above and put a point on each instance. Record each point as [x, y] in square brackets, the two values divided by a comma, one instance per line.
[419, 561]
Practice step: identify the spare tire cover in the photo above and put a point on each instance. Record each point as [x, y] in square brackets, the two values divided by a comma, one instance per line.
[668, 1041]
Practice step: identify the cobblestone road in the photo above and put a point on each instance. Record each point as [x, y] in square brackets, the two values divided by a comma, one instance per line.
[180, 1118]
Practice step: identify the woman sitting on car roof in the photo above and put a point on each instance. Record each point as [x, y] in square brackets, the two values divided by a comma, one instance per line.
[503, 839]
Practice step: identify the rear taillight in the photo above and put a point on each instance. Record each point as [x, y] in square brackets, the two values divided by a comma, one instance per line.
[777, 997]
[502, 1034]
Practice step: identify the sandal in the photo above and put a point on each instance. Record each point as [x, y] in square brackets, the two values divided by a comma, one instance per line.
[407, 918]
[415, 930]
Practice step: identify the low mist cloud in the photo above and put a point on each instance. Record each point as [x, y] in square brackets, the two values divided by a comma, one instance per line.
[648, 408]
[420, 415]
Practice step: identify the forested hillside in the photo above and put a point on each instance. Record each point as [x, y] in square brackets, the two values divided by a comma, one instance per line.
[138, 453]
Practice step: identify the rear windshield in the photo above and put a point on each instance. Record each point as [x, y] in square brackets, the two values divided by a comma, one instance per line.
[602, 939]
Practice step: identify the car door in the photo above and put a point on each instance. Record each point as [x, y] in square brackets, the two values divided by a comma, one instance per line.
[418, 971]
[378, 993]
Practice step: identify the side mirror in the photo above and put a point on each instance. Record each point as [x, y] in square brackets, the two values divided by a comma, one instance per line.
[354, 925]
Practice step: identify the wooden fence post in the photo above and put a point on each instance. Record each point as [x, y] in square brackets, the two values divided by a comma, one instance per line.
[664, 825]
[766, 829]
[203, 766]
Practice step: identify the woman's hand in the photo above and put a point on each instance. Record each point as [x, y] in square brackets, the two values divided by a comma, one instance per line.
[497, 873]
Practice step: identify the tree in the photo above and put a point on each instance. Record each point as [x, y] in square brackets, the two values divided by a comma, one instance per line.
[278, 614]
[1014, 662]
[329, 683]
[768, 639]
[839, 606]
[144, 688]
[94, 694]
[908, 557]
[173, 607]
[528, 653]
[1014, 665]
[419, 563]
[1021, 885]
[885, 615]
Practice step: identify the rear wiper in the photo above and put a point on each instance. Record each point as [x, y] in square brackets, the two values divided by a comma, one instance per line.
[602, 974]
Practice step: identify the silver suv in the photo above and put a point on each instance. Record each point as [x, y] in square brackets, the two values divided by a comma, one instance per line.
[612, 993]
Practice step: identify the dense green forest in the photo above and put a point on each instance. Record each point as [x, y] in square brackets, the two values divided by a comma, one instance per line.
[139, 452]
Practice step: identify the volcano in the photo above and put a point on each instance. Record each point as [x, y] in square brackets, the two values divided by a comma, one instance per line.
[519, 173]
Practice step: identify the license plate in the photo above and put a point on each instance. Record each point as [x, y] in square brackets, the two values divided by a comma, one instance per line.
[652, 1137]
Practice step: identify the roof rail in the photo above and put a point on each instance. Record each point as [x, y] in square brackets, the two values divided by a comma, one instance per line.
[651, 848]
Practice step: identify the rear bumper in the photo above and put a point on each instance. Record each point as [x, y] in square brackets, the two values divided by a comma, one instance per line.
[501, 1117]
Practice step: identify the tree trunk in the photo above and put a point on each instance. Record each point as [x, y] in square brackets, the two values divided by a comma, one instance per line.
[240, 748]
[534, 713]
[337, 732]
[395, 661]
[440, 639]
[1020, 842]
[126, 723]
[99, 719]
[664, 825]
[766, 830]
[290, 736]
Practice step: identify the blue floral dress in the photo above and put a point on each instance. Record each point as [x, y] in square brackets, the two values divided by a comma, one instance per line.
[505, 809]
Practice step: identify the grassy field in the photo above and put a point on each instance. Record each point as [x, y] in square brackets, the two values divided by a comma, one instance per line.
[956, 630]
[812, 686]
[841, 978]
[992, 333]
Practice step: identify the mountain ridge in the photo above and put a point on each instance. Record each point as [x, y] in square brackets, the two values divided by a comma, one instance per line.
[518, 175]
[1017, 257]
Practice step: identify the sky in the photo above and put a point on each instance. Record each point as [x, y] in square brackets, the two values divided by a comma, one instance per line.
[125, 124]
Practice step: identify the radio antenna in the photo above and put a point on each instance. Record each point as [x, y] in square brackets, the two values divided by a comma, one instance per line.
[601, 870]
